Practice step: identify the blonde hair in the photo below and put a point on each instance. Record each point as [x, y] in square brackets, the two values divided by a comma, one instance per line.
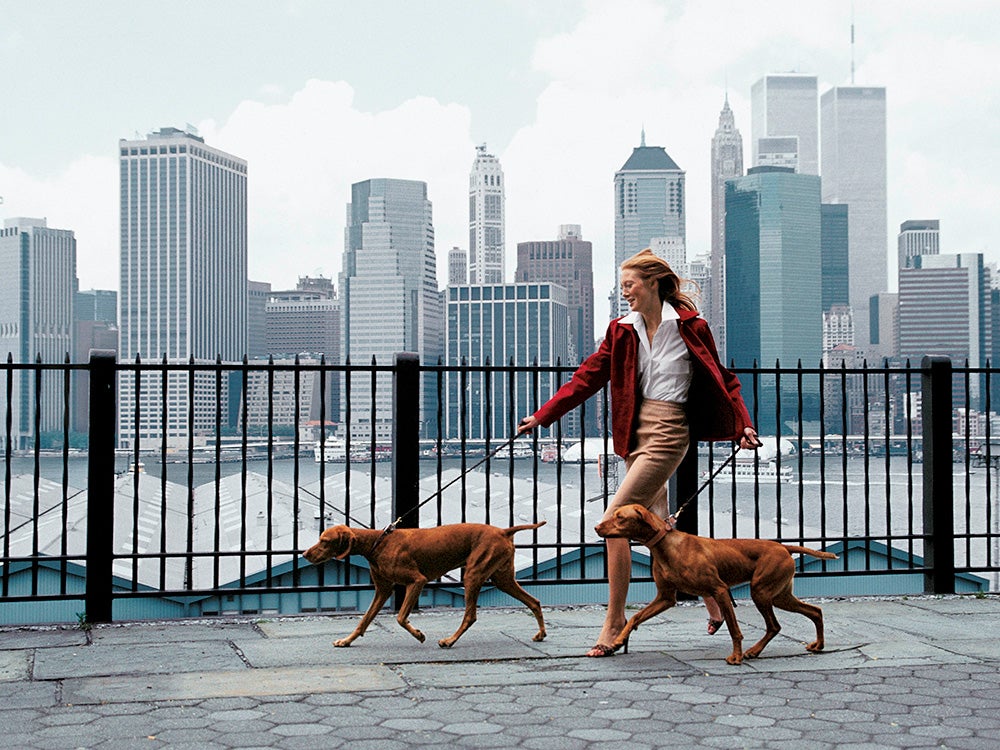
[650, 266]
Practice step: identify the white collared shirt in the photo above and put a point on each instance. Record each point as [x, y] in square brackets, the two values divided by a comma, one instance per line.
[664, 365]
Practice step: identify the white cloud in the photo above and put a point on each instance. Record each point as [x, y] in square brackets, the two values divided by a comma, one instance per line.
[622, 66]
[83, 198]
[305, 154]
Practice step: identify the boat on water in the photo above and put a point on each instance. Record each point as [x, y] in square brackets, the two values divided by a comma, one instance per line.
[330, 451]
[515, 451]
[749, 471]
[334, 451]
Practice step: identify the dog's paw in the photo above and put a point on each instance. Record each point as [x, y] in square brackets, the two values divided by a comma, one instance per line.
[342, 643]
[446, 643]
[734, 659]
[815, 647]
[539, 636]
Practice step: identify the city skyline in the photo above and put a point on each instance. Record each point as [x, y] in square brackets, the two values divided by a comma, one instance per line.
[566, 101]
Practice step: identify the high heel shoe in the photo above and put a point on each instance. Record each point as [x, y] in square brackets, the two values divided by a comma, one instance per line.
[599, 650]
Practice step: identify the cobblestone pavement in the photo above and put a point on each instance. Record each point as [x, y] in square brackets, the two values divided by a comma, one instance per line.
[905, 672]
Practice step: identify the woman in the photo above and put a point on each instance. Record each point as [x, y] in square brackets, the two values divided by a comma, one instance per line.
[665, 373]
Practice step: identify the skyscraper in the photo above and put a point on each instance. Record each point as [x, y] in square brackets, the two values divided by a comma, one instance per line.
[37, 289]
[97, 304]
[917, 237]
[486, 219]
[95, 316]
[458, 267]
[303, 322]
[945, 308]
[649, 204]
[183, 278]
[783, 106]
[884, 324]
[258, 293]
[569, 262]
[497, 324]
[835, 251]
[727, 162]
[854, 172]
[389, 297]
[774, 272]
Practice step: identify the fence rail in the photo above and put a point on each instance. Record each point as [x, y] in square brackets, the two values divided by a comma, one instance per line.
[201, 483]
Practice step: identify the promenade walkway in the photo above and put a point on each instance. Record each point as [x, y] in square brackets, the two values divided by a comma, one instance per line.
[904, 672]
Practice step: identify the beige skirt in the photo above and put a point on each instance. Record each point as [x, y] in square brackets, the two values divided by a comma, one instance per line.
[661, 443]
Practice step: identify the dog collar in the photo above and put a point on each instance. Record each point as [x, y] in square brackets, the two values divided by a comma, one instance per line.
[385, 532]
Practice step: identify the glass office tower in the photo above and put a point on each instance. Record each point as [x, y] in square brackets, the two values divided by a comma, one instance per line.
[389, 297]
[649, 204]
[774, 279]
[524, 324]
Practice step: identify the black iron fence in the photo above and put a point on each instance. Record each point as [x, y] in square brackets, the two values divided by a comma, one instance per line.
[200, 483]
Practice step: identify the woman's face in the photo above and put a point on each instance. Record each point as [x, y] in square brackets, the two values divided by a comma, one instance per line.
[640, 293]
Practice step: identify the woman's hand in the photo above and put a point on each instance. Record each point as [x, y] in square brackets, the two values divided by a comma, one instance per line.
[750, 441]
[527, 425]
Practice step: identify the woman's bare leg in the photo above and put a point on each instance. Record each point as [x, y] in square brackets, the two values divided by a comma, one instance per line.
[714, 614]
[619, 573]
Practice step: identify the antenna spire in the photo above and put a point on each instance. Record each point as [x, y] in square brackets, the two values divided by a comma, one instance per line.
[642, 139]
[852, 44]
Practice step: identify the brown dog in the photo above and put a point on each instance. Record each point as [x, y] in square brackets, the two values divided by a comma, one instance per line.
[411, 557]
[708, 567]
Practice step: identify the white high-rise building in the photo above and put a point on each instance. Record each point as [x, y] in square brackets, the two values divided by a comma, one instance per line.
[784, 124]
[854, 172]
[389, 297]
[458, 267]
[649, 209]
[37, 290]
[183, 291]
[838, 327]
[960, 325]
[917, 237]
[486, 219]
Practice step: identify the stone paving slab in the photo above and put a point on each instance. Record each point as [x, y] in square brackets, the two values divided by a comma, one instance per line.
[14, 665]
[183, 630]
[227, 684]
[155, 658]
[912, 653]
[41, 638]
[540, 671]
[327, 628]
[27, 695]
[963, 605]
[396, 648]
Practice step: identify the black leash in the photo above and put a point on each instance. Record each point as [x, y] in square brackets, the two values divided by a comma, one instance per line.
[392, 526]
[347, 515]
[723, 465]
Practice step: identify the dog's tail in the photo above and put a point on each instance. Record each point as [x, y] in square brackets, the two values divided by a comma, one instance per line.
[792, 548]
[524, 527]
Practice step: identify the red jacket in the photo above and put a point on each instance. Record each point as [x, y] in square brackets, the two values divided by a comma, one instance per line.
[715, 407]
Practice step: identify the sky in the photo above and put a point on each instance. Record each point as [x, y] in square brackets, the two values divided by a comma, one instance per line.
[319, 94]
